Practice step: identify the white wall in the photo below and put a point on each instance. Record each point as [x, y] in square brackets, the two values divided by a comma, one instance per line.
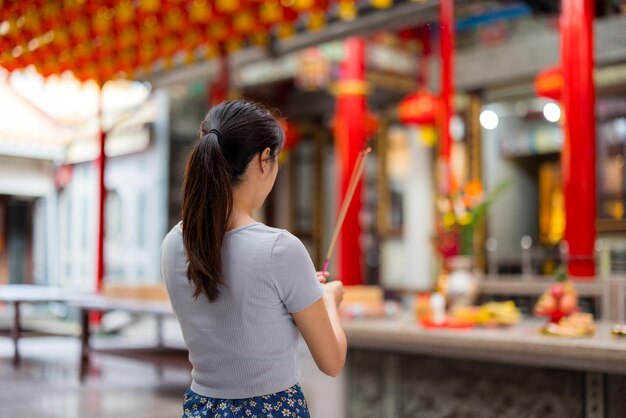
[135, 215]
[407, 262]
[515, 213]
[26, 177]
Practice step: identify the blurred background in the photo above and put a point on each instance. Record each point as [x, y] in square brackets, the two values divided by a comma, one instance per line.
[498, 132]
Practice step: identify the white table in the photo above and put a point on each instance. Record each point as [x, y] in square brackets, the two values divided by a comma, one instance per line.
[160, 309]
[16, 295]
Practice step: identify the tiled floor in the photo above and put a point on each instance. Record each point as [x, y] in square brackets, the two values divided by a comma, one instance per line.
[47, 385]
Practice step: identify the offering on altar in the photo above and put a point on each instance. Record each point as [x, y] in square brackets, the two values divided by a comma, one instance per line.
[579, 324]
[366, 302]
[461, 213]
[560, 304]
[619, 330]
[559, 301]
[432, 313]
[490, 314]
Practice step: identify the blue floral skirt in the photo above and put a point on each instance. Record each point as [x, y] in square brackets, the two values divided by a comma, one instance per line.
[288, 403]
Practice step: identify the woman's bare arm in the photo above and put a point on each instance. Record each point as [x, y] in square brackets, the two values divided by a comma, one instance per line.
[320, 326]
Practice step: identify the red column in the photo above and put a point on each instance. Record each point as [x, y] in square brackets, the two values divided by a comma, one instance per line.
[579, 156]
[350, 139]
[218, 89]
[447, 90]
[101, 163]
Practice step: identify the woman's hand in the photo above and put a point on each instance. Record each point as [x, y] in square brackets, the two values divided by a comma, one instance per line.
[321, 328]
[322, 276]
[334, 291]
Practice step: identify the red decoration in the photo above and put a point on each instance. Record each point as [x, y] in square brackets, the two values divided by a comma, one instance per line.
[549, 83]
[558, 302]
[419, 108]
[292, 134]
[63, 176]
[372, 123]
[309, 5]
[80, 34]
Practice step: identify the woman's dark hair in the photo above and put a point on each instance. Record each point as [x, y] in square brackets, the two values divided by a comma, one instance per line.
[231, 134]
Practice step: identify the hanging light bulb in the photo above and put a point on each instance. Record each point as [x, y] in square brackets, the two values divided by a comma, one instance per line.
[489, 119]
[552, 112]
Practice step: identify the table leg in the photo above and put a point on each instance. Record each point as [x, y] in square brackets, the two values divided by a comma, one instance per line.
[84, 339]
[15, 333]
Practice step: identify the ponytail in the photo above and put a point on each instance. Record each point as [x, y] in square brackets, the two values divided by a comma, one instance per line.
[231, 134]
[207, 203]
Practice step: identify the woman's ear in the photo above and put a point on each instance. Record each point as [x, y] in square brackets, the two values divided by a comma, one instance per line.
[264, 157]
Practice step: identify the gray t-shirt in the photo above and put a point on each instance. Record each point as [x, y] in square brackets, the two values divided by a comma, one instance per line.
[245, 343]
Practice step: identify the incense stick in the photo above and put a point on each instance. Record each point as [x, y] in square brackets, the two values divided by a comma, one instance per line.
[357, 172]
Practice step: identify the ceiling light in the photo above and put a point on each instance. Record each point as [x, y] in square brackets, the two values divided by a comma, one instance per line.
[489, 119]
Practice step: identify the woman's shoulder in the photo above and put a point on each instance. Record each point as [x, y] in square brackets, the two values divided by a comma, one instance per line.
[270, 232]
[285, 242]
[173, 238]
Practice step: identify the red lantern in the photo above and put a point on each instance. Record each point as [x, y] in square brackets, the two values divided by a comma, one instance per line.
[190, 40]
[124, 13]
[227, 7]
[168, 46]
[61, 39]
[127, 37]
[106, 70]
[244, 22]
[419, 108]
[63, 176]
[273, 12]
[309, 5]
[549, 83]
[150, 6]
[199, 11]
[127, 60]
[147, 54]
[292, 134]
[218, 30]
[174, 19]
[80, 30]
[9, 64]
[102, 20]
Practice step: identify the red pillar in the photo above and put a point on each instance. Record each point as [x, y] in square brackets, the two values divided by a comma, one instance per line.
[447, 91]
[350, 139]
[579, 156]
[101, 164]
[218, 88]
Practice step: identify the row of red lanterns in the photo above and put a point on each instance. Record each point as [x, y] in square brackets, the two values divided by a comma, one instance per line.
[103, 39]
[126, 36]
[421, 107]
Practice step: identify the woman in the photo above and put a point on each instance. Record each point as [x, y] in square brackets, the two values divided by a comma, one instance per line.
[242, 291]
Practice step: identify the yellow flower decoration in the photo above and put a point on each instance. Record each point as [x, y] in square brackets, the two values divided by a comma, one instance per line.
[466, 219]
[448, 220]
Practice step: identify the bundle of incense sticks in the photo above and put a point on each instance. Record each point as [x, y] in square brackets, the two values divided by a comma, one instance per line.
[357, 172]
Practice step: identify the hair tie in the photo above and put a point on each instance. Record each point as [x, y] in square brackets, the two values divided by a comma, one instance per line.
[217, 134]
